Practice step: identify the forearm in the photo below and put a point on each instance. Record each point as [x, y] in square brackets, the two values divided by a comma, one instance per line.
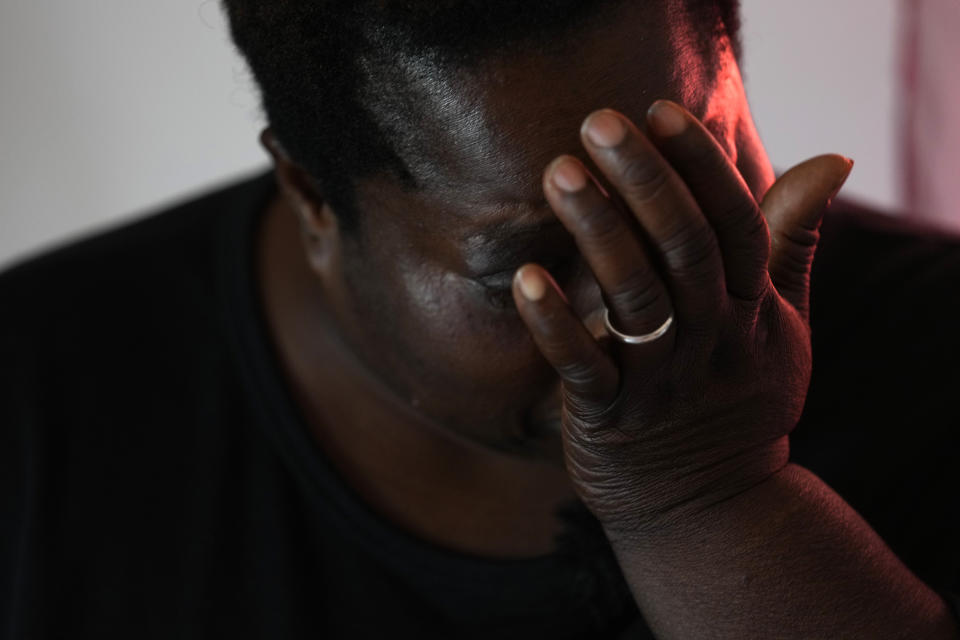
[787, 559]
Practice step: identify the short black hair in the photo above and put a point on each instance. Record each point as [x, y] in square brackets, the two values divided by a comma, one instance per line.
[312, 58]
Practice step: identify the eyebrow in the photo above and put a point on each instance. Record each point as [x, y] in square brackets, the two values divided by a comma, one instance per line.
[513, 229]
[511, 217]
[508, 241]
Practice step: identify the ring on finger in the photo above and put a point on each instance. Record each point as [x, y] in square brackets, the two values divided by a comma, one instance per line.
[642, 339]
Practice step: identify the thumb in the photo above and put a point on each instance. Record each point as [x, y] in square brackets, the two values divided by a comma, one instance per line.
[794, 208]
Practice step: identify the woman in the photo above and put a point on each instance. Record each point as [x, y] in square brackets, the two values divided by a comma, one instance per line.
[511, 351]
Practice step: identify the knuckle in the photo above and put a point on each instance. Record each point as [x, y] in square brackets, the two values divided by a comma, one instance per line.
[794, 252]
[743, 229]
[800, 237]
[642, 178]
[600, 223]
[580, 375]
[744, 219]
[637, 294]
[792, 265]
[690, 247]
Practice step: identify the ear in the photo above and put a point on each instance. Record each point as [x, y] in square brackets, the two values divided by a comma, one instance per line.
[318, 222]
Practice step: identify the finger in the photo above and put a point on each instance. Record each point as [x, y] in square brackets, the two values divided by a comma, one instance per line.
[670, 217]
[724, 197]
[794, 208]
[632, 289]
[589, 375]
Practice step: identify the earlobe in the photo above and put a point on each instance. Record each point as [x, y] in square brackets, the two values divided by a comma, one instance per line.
[318, 222]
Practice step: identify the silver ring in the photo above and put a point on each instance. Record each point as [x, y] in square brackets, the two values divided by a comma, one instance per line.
[644, 339]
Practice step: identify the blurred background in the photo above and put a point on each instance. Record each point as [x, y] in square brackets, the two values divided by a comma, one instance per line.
[114, 108]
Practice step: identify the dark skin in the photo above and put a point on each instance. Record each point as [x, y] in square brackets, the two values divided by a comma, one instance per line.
[466, 399]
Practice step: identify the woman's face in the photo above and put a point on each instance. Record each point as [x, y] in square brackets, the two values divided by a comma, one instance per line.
[428, 304]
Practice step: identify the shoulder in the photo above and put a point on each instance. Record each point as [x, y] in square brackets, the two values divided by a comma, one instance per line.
[111, 344]
[881, 275]
[885, 293]
[119, 400]
[116, 280]
[873, 248]
[178, 236]
[880, 421]
[123, 313]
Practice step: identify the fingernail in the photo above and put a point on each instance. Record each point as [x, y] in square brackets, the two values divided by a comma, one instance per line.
[595, 324]
[843, 176]
[604, 129]
[667, 119]
[568, 176]
[532, 284]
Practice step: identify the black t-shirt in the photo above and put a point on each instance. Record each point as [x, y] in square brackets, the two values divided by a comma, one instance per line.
[157, 479]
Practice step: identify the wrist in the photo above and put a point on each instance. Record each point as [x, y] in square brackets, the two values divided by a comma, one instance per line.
[691, 507]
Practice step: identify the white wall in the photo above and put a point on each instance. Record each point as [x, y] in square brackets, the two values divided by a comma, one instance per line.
[931, 126]
[111, 107]
[822, 76]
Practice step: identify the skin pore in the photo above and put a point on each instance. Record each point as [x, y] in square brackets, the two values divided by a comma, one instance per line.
[401, 342]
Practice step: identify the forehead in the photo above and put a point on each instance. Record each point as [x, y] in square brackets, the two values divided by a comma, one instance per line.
[481, 137]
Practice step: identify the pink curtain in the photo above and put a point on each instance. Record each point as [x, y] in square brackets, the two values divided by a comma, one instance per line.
[930, 133]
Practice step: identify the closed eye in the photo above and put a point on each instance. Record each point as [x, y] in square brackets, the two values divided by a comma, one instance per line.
[499, 286]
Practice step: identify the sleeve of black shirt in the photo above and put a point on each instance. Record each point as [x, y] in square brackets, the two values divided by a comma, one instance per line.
[19, 461]
[881, 424]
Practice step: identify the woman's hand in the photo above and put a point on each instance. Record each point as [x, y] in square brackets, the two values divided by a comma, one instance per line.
[655, 432]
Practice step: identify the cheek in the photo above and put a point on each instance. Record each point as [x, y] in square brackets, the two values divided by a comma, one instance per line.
[436, 338]
[462, 334]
